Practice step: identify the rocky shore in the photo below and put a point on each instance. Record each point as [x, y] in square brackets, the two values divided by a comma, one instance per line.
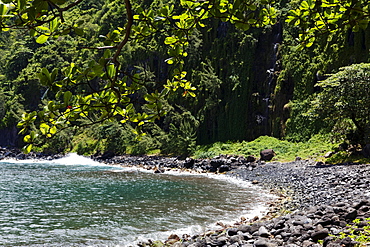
[316, 207]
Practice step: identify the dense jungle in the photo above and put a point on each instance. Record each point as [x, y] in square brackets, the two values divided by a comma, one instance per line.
[249, 83]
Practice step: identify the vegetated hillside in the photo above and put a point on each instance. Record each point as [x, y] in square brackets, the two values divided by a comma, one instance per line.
[248, 83]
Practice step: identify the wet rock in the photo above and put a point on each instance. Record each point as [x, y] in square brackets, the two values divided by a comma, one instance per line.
[219, 241]
[216, 163]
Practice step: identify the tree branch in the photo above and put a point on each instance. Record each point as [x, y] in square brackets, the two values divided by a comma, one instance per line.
[130, 21]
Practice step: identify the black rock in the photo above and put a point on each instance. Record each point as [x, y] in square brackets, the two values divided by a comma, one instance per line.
[107, 155]
[250, 159]
[267, 154]
[189, 163]
[223, 168]
[317, 235]
[216, 163]
[351, 214]
[232, 231]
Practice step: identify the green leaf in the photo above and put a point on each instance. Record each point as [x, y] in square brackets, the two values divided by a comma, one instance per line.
[33, 135]
[42, 39]
[27, 138]
[54, 74]
[169, 60]
[191, 94]
[67, 96]
[78, 31]
[53, 130]
[43, 28]
[305, 5]
[27, 149]
[111, 70]
[3, 9]
[170, 40]
[44, 128]
[107, 54]
[45, 72]
[53, 25]
[149, 98]
[242, 26]
[33, 33]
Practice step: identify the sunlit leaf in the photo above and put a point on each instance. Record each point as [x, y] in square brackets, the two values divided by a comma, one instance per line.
[42, 39]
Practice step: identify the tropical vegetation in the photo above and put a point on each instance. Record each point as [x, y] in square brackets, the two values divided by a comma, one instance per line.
[168, 75]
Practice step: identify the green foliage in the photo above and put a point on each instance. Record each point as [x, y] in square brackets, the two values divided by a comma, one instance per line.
[100, 86]
[303, 69]
[344, 103]
[315, 148]
[300, 127]
[126, 62]
[358, 231]
[181, 139]
[85, 144]
[316, 18]
[60, 143]
[117, 138]
[10, 109]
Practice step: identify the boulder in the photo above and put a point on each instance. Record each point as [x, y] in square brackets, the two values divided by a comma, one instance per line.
[107, 155]
[263, 232]
[321, 234]
[232, 231]
[216, 163]
[244, 228]
[267, 154]
[223, 168]
[250, 158]
[189, 163]
[351, 214]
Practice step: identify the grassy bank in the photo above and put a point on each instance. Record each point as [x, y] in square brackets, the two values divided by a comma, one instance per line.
[315, 148]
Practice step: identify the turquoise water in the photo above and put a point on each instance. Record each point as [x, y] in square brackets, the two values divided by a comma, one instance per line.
[77, 202]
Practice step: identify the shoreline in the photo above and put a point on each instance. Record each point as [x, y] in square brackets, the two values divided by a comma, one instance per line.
[316, 202]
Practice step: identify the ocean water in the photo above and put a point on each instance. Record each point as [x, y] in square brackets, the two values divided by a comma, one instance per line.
[75, 201]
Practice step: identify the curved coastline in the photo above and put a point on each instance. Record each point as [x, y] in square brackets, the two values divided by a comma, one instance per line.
[315, 201]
